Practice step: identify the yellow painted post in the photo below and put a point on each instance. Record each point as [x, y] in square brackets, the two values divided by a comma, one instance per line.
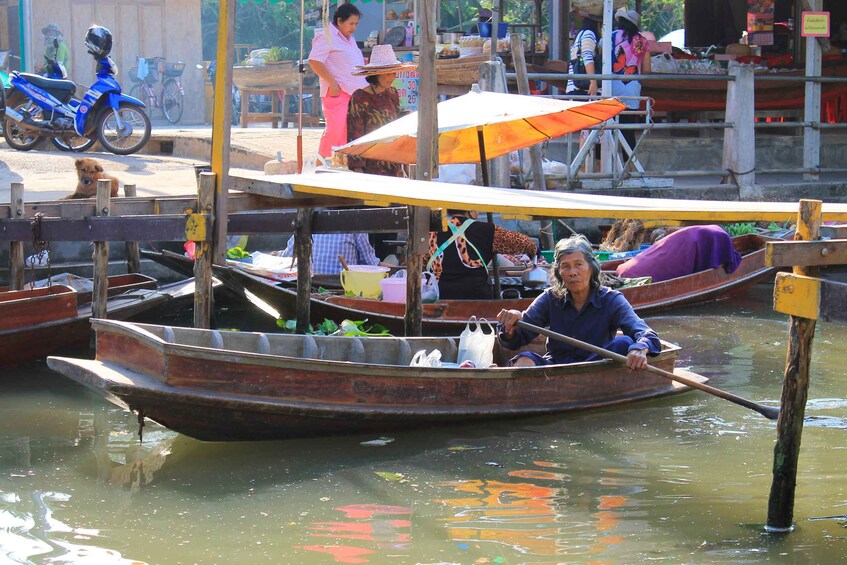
[222, 124]
[795, 390]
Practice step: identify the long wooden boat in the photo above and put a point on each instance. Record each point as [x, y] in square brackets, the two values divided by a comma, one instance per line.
[36, 322]
[448, 317]
[222, 385]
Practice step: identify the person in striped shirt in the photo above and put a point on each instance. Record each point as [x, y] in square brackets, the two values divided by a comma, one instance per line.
[585, 46]
[333, 56]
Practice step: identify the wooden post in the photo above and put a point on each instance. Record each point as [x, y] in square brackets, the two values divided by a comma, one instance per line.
[811, 134]
[608, 141]
[534, 152]
[99, 294]
[427, 164]
[739, 141]
[795, 389]
[203, 257]
[16, 248]
[133, 259]
[303, 254]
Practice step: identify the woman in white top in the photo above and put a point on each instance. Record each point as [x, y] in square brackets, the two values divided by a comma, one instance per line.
[333, 57]
[585, 46]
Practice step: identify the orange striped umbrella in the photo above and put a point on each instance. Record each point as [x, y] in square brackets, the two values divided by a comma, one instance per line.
[483, 125]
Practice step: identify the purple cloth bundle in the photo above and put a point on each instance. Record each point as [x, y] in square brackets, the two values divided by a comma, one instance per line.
[684, 252]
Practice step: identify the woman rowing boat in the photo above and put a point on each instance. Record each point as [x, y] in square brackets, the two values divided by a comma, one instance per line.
[577, 305]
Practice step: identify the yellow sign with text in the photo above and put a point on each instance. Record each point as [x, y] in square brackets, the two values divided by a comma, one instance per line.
[814, 24]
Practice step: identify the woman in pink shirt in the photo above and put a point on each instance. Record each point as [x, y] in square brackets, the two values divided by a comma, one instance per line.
[333, 57]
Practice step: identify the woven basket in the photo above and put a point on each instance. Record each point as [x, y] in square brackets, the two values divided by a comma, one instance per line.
[270, 76]
[462, 72]
[594, 7]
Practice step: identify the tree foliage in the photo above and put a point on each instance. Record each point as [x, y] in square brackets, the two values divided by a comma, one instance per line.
[662, 16]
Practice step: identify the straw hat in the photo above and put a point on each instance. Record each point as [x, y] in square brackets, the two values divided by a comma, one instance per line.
[383, 61]
[630, 15]
[51, 30]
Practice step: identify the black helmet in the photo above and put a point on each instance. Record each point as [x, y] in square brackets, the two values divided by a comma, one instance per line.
[99, 41]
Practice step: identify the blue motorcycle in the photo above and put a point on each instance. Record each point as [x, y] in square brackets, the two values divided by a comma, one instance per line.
[38, 108]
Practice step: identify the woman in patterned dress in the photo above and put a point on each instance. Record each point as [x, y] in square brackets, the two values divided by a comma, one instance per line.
[375, 105]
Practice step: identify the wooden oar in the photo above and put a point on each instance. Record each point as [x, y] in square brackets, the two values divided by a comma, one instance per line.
[769, 412]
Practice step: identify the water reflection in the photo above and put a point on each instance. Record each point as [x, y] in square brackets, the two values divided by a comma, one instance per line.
[682, 479]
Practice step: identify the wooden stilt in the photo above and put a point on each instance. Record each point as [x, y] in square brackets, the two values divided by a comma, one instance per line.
[427, 165]
[133, 259]
[795, 389]
[203, 255]
[99, 294]
[16, 248]
[303, 253]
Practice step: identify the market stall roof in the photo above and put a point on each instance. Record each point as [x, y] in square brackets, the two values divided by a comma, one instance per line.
[511, 203]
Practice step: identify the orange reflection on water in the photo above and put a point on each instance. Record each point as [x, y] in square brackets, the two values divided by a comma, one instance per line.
[365, 526]
[531, 518]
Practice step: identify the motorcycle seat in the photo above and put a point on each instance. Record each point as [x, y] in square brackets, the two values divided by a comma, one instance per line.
[62, 89]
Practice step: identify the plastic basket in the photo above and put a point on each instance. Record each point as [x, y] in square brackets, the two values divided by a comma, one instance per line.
[174, 69]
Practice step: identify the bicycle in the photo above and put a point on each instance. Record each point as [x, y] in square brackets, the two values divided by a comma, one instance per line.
[146, 74]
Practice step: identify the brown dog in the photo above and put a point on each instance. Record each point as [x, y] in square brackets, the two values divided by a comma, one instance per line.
[89, 172]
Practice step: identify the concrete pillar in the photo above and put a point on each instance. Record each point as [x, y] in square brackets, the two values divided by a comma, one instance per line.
[739, 142]
[812, 135]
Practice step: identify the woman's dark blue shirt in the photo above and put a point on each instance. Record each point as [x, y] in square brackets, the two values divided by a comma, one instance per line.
[602, 315]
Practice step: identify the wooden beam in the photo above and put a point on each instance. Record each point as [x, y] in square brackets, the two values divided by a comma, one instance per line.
[806, 253]
[810, 297]
[377, 220]
[99, 228]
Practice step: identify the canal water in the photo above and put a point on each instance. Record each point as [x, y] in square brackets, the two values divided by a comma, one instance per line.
[678, 480]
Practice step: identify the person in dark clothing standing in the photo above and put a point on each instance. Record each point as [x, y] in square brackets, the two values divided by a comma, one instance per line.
[459, 257]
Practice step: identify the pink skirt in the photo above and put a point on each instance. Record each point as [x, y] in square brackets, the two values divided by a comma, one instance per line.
[335, 115]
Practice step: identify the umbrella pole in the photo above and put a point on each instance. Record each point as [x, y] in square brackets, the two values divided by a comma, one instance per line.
[488, 215]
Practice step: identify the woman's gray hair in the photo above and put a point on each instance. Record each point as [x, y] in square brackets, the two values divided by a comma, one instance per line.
[577, 243]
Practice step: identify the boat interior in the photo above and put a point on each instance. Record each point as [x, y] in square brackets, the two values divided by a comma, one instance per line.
[378, 351]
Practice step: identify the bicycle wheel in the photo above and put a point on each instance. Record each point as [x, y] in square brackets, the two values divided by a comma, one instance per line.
[137, 93]
[172, 101]
[131, 136]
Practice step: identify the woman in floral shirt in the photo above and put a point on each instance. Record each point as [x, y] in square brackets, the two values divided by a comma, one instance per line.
[629, 57]
[374, 106]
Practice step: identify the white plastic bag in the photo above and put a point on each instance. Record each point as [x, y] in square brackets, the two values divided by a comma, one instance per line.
[475, 345]
[421, 359]
[429, 287]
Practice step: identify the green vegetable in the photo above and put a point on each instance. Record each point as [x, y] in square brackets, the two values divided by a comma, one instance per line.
[328, 327]
[236, 253]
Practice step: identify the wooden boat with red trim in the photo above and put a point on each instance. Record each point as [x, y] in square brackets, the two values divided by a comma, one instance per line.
[36, 322]
[448, 317]
[227, 385]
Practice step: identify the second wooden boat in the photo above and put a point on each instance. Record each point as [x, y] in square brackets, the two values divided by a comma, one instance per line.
[448, 317]
[36, 322]
[222, 386]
